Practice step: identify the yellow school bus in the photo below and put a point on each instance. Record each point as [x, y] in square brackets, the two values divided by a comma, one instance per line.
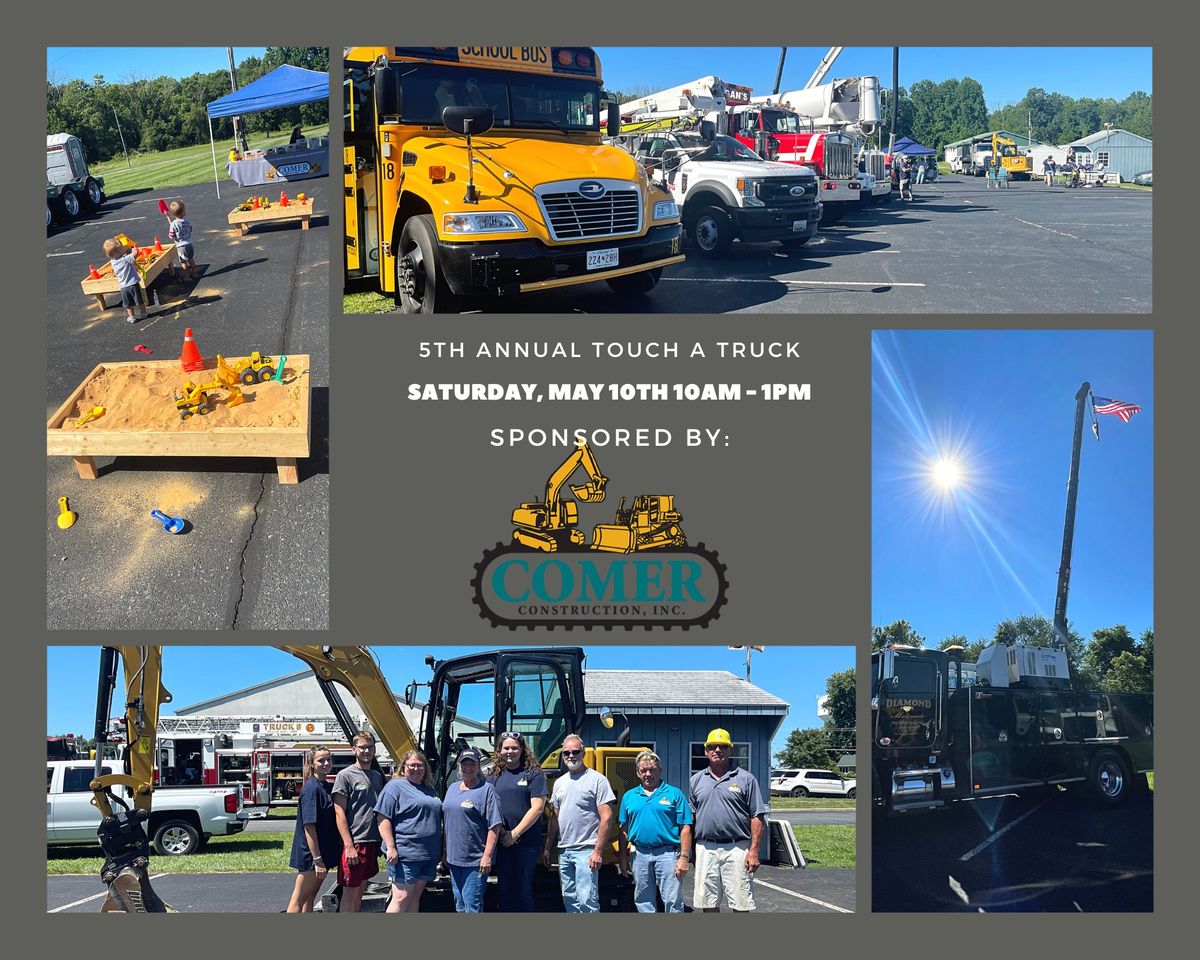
[478, 172]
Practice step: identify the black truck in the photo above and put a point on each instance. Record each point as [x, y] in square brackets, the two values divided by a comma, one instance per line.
[941, 734]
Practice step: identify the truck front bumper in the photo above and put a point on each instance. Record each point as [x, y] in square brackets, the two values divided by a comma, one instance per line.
[522, 266]
[760, 224]
[840, 191]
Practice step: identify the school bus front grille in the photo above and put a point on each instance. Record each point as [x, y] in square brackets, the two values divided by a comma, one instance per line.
[571, 215]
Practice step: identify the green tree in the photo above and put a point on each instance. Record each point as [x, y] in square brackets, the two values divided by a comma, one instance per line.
[840, 693]
[1128, 673]
[806, 748]
[1106, 645]
[971, 648]
[1145, 648]
[897, 633]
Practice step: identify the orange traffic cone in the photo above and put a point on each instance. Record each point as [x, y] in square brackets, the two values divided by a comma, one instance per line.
[256, 203]
[157, 246]
[190, 358]
[283, 199]
[93, 274]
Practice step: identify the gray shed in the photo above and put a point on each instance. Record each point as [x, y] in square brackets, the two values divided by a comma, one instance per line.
[672, 712]
[1121, 152]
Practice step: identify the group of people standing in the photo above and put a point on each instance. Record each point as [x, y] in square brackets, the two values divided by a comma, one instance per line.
[494, 823]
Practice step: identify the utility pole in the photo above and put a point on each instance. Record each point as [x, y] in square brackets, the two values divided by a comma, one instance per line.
[749, 648]
[239, 133]
[98, 85]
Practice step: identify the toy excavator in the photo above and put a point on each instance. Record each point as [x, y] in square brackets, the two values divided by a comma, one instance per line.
[551, 524]
[195, 398]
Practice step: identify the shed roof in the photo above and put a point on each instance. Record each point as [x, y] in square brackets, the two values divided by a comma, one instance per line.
[1019, 138]
[1103, 135]
[678, 691]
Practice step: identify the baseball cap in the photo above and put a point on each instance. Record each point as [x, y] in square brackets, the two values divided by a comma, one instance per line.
[469, 754]
[718, 737]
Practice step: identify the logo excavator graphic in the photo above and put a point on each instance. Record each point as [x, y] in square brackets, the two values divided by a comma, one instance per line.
[576, 584]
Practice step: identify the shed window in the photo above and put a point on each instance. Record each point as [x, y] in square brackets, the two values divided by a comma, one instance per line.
[1102, 157]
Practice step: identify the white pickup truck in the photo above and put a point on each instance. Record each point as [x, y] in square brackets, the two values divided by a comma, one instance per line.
[725, 191]
[181, 820]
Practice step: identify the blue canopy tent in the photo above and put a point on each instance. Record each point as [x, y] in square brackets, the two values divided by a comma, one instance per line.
[912, 148]
[285, 86]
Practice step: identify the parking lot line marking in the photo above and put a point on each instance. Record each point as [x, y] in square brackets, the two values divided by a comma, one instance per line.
[97, 896]
[65, 253]
[800, 896]
[125, 220]
[1060, 233]
[1001, 832]
[803, 283]
[957, 889]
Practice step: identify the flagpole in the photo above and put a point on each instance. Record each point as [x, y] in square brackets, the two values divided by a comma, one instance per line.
[1064, 566]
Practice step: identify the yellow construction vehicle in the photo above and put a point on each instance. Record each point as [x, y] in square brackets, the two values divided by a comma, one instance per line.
[249, 370]
[492, 684]
[652, 523]
[195, 398]
[552, 523]
[1006, 154]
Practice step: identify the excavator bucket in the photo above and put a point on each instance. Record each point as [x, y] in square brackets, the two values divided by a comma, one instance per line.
[130, 891]
[588, 493]
[126, 870]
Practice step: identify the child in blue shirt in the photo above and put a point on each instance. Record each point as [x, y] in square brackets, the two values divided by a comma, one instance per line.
[181, 232]
[124, 267]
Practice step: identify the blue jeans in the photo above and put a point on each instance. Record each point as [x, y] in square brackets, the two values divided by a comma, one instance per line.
[654, 869]
[580, 884]
[469, 885]
[514, 877]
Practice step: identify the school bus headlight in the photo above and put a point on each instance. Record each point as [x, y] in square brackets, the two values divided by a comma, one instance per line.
[482, 223]
[665, 210]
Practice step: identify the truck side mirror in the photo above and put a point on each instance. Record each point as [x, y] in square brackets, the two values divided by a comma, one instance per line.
[708, 131]
[613, 125]
[472, 120]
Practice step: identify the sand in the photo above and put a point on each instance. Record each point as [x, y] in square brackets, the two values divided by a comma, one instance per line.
[137, 397]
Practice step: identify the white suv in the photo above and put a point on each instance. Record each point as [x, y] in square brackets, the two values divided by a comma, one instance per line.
[801, 783]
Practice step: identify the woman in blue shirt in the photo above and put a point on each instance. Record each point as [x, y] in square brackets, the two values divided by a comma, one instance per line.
[471, 812]
[410, 822]
[316, 844]
[521, 787]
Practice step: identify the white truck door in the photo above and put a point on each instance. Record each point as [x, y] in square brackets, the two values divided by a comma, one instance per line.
[74, 815]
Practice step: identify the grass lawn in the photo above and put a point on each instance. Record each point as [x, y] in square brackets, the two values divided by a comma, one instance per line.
[368, 302]
[811, 803]
[827, 845]
[287, 813]
[178, 168]
[243, 853]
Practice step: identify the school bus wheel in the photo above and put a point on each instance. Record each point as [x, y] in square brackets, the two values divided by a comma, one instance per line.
[420, 287]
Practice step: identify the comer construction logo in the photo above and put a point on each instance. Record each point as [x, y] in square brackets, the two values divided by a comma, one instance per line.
[638, 571]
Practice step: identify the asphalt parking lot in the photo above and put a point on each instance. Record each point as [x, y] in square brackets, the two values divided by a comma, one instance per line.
[250, 540]
[1041, 852]
[777, 890]
[957, 248]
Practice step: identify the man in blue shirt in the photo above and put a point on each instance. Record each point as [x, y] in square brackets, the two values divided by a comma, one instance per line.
[656, 819]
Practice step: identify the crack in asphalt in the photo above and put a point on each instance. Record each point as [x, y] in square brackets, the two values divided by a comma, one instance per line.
[237, 604]
[262, 478]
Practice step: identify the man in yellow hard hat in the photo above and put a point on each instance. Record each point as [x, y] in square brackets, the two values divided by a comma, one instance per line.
[729, 828]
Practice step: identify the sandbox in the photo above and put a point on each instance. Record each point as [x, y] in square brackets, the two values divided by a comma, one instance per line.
[140, 417]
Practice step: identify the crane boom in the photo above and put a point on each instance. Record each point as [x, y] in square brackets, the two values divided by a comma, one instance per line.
[824, 67]
[1064, 565]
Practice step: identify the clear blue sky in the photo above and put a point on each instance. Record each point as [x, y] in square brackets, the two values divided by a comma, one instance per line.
[116, 64]
[193, 674]
[960, 562]
[1006, 73]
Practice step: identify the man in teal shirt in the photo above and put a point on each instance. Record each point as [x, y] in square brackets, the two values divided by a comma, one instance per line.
[656, 819]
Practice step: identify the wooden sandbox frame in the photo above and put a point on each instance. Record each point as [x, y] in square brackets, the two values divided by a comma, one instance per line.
[168, 257]
[286, 445]
[243, 220]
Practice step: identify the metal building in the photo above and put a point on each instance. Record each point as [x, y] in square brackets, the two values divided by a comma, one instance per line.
[1121, 152]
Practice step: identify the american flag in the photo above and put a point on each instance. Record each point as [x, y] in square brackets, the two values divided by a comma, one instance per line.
[1117, 408]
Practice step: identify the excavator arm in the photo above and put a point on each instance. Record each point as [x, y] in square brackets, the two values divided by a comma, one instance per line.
[590, 492]
[122, 832]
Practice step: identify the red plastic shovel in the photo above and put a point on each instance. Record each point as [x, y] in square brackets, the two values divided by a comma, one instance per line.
[163, 208]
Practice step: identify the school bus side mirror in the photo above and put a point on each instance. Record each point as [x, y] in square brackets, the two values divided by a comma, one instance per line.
[472, 120]
[614, 119]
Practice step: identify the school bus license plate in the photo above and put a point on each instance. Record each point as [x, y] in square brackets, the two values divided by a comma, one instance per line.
[799, 226]
[507, 56]
[599, 259]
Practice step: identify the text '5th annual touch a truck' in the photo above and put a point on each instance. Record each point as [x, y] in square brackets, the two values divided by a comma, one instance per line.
[479, 171]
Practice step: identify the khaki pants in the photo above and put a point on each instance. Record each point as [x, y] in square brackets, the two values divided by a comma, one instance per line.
[721, 875]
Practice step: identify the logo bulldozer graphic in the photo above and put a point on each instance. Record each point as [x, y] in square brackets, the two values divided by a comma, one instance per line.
[637, 571]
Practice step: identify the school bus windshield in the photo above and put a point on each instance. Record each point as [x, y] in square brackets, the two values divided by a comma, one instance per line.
[422, 91]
